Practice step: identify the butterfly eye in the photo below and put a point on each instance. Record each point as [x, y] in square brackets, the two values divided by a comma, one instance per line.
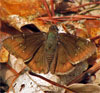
[49, 47]
[53, 27]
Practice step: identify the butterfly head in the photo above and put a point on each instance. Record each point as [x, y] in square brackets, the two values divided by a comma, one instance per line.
[53, 28]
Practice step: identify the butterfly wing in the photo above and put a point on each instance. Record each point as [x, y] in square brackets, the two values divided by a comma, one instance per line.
[77, 48]
[61, 64]
[39, 62]
[24, 45]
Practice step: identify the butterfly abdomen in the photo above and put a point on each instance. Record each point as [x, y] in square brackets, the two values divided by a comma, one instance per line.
[50, 58]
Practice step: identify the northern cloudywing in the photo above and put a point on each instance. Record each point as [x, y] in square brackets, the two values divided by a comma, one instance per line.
[52, 51]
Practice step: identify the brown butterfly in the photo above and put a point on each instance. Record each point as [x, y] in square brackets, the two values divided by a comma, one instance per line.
[52, 51]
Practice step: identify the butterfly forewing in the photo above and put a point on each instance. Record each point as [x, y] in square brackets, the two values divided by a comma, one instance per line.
[77, 48]
[24, 45]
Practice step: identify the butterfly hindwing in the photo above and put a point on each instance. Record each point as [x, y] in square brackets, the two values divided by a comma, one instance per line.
[62, 66]
[39, 61]
[77, 48]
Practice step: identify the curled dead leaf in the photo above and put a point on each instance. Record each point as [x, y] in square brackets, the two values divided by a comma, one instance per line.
[3, 55]
[84, 88]
[17, 13]
[16, 63]
[92, 27]
[21, 7]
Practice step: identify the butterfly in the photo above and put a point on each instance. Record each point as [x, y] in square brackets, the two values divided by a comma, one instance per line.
[53, 52]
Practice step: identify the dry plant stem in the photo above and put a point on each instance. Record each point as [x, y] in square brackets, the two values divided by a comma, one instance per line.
[46, 7]
[34, 81]
[52, 11]
[80, 3]
[54, 19]
[49, 81]
[68, 18]
[17, 75]
[92, 70]
[52, 7]
[77, 16]
[95, 38]
[11, 69]
[48, 11]
[87, 10]
[83, 5]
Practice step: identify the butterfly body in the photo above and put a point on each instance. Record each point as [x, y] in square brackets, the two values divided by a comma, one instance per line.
[52, 51]
[51, 45]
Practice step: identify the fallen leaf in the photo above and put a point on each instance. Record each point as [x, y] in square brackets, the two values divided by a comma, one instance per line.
[21, 8]
[17, 13]
[97, 78]
[84, 88]
[4, 54]
[92, 27]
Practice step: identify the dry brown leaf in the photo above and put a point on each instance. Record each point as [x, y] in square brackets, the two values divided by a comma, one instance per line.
[17, 13]
[92, 27]
[3, 55]
[96, 80]
[84, 88]
[21, 8]
[5, 31]
[16, 63]
[6, 74]
[9, 72]
[81, 33]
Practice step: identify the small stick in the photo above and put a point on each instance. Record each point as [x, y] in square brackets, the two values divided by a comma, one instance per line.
[46, 7]
[11, 69]
[72, 18]
[17, 75]
[52, 7]
[95, 38]
[92, 70]
[49, 81]
[83, 5]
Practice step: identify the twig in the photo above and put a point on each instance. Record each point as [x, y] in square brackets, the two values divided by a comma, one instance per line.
[92, 70]
[11, 69]
[17, 75]
[83, 5]
[95, 38]
[68, 18]
[49, 81]
[52, 7]
[46, 7]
